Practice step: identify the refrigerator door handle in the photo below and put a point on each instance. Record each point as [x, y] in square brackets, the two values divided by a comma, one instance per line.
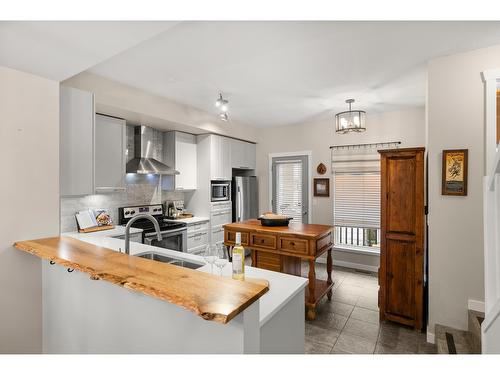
[240, 204]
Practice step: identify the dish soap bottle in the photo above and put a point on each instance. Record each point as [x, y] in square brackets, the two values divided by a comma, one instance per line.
[238, 259]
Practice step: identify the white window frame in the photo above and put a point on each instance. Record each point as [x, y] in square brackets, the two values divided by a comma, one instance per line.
[367, 250]
[309, 187]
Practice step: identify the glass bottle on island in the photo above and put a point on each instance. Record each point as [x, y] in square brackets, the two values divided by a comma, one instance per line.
[238, 259]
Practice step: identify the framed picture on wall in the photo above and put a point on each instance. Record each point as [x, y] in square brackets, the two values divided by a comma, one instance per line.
[454, 174]
[321, 187]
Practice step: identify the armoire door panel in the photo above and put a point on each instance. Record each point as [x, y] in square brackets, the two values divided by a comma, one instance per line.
[401, 195]
[400, 270]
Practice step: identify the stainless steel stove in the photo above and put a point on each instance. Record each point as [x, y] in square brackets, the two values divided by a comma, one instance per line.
[174, 233]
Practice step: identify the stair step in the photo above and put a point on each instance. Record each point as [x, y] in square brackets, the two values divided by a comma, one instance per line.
[454, 341]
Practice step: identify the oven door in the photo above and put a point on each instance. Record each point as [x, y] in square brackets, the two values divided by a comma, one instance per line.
[220, 192]
[175, 239]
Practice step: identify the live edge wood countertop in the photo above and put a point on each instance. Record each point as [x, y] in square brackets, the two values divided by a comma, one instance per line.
[209, 296]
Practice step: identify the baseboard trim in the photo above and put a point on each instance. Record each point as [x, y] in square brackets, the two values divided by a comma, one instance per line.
[476, 305]
[431, 339]
[358, 266]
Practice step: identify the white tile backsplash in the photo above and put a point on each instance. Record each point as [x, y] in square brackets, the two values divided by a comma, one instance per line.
[140, 189]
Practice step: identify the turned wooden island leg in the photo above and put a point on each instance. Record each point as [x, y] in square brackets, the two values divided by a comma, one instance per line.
[229, 252]
[311, 309]
[329, 266]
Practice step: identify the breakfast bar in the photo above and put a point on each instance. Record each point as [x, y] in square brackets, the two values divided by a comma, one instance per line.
[99, 300]
[283, 248]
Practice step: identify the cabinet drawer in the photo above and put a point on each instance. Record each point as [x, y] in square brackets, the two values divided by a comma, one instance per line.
[263, 240]
[217, 235]
[200, 250]
[221, 206]
[220, 218]
[231, 237]
[268, 261]
[197, 239]
[196, 227]
[294, 245]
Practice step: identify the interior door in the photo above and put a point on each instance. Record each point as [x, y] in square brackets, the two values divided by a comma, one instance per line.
[290, 193]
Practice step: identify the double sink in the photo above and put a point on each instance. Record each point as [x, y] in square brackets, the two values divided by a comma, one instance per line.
[153, 255]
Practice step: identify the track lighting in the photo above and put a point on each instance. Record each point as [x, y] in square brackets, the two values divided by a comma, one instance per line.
[222, 104]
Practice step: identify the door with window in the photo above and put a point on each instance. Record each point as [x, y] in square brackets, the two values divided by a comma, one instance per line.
[290, 194]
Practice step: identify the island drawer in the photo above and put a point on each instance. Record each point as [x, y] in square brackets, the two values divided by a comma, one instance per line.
[268, 261]
[197, 239]
[294, 245]
[263, 241]
[231, 237]
[196, 227]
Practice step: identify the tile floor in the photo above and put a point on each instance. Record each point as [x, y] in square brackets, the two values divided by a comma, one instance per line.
[349, 324]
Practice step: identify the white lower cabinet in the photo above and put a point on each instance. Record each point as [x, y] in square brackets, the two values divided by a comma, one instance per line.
[217, 235]
[220, 215]
[197, 227]
[200, 250]
[197, 237]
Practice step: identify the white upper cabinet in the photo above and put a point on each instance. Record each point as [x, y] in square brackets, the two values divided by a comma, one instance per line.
[180, 153]
[110, 157]
[92, 147]
[242, 154]
[77, 119]
[220, 158]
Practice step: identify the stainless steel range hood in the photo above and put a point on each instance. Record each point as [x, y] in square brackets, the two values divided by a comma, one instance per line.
[148, 143]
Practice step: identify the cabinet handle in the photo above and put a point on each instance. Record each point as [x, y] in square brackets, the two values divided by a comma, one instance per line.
[70, 270]
[52, 262]
[292, 243]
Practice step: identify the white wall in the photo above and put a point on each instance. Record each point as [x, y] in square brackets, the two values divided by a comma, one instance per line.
[407, 126]
[29, 193]
[456, 120]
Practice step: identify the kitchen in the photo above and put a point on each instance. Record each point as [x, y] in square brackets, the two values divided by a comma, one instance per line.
[149, 197]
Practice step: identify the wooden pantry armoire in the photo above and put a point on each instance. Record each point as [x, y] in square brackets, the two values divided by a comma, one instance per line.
[402, 222]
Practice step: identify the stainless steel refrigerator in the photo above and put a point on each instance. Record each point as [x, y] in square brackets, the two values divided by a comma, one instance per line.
[245, 197]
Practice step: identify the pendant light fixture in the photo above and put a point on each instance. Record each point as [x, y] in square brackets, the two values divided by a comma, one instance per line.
[222, 104]
[351, 120]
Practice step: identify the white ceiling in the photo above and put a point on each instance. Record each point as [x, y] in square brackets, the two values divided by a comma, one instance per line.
[59, 50]
[280, 73]
[273, 73]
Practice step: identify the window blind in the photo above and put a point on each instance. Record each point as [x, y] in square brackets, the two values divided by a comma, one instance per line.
[356, 199]
[289, 189]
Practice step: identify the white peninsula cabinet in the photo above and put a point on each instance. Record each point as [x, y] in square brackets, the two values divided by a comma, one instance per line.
[242, 154]
[180, 153]
[92, 151]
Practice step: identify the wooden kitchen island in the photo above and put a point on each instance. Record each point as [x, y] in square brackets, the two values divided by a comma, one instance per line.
[282, 249]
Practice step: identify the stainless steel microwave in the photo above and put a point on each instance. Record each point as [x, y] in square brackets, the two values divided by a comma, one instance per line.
[220, 191]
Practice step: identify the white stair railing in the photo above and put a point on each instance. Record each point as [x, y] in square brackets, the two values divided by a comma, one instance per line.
[491, 211]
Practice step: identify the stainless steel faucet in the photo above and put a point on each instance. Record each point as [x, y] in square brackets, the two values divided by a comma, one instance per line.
[131, 221]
